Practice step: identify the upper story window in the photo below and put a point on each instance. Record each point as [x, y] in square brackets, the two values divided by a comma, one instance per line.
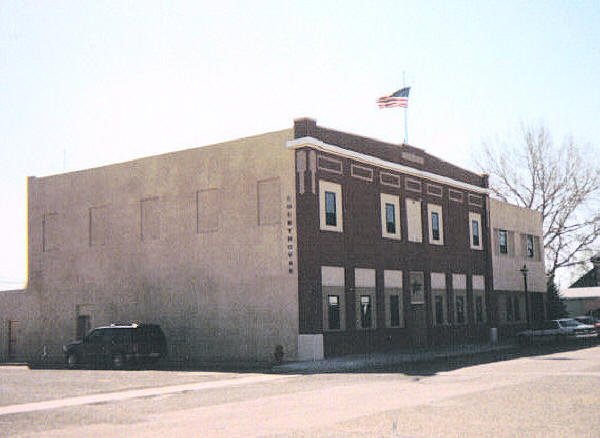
[436, 229]
[503, 241]
[475, 230]
[330, 210]
[330, 206]
[390, 215]
[435, 226]
[390, 218]
[530, 246]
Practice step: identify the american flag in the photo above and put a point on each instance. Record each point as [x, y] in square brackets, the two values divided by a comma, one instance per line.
[394, 100]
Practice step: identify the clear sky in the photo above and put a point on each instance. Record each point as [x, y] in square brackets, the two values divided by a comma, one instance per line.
[84, 84]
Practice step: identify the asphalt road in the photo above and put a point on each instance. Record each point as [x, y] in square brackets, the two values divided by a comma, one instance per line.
[538, 394]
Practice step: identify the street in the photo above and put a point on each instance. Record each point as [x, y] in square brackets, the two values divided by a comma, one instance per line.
[533, 395]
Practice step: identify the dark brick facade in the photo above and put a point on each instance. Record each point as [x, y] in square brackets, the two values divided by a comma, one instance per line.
[361, 244]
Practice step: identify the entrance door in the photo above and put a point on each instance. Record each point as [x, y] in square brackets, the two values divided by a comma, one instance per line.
[12, 339]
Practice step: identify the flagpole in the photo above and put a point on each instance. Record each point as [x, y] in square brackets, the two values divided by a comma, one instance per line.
[405, 111]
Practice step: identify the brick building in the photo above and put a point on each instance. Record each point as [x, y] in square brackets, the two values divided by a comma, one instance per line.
[317, 240]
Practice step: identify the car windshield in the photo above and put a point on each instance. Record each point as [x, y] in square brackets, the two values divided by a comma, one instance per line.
[568, 323]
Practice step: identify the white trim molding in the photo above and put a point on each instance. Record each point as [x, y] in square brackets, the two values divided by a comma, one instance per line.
[374, 161]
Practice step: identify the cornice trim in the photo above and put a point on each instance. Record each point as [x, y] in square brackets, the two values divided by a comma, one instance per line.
[369, 159]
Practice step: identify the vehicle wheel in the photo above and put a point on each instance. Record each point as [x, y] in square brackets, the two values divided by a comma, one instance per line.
[72, 361]
[118, 362]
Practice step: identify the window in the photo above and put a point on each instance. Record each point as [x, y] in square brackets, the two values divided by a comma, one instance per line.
[439, 309]
[330, 206]
[413, 219]
[330, 211]
[207, 210]
[478, 308]
[435, 226]
[475, 230]
[12, 338]
[503, 241]
[460, 309]
[390, 207]
[509, 309]
[268, 202]
[83, 326]
[394, 311]
[97, 226]
[332, 289]
[365, 312]
[333, 312]
[478, 282]
[530, 251]
[365, 291]
[436, 231]
[438, 298]
[390, 218]
[150, 219]
[392, 291]
[50, 232]
[417, 294]
[517, 309]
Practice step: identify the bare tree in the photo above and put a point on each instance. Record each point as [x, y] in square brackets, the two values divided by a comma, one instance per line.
[554, 180]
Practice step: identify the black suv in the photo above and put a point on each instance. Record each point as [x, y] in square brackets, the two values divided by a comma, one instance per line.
[118, 345]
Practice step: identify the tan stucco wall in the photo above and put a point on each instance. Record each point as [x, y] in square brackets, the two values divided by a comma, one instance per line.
[22, 307]
[225, 294]
[506, 267]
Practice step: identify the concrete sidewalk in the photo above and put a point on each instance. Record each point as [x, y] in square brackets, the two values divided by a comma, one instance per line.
[390, 358]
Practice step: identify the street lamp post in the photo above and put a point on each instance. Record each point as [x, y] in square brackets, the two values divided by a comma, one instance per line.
[525, 271]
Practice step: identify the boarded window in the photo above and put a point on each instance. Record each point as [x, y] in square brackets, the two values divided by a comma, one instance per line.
[207, 210]
[269, 200]
[83, 326]
[414, 222]
[12, 338]
[150, 219]
[98, 226]
[50, 236]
